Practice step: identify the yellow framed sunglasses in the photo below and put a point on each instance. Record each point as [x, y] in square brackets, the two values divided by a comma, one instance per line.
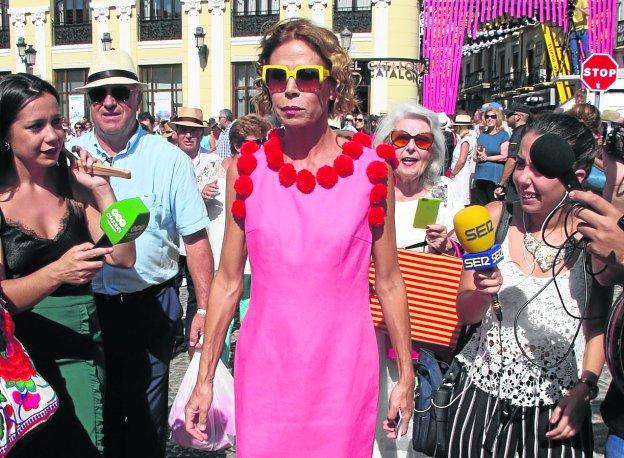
[308, 78]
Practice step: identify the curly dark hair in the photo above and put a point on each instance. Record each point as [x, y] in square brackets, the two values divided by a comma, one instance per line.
[326, 45]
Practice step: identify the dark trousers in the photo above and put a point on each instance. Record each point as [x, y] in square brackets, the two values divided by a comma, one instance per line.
[482, 193]
[191, 301]
[139, 332]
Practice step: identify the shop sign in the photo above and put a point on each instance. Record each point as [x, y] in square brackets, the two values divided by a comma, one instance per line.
[396, 69]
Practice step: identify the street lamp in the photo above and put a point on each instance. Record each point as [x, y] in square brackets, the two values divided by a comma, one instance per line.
[202, 48]
[345, 38]
[27, 54]
[107, 41]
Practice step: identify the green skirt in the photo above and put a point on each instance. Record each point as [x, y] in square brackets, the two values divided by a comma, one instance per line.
[62, 335]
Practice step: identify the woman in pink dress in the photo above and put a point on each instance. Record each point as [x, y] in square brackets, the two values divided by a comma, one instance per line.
[310, 208]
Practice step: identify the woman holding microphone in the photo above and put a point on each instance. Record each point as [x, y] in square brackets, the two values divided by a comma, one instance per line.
[525, 382]
[49, 218]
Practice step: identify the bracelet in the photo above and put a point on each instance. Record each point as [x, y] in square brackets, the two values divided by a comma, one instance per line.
[201, 312]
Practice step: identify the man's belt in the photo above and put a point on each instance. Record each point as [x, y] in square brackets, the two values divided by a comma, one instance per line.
[149, 291]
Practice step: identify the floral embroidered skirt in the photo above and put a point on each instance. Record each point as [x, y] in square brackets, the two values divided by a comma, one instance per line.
[62, 335]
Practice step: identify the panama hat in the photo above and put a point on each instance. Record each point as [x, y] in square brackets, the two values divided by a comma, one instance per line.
[610, 115]
[190, 117]
[462, 120]
[167, 130]
[112, 67]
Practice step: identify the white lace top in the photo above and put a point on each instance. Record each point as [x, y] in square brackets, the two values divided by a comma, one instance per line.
[545, 331]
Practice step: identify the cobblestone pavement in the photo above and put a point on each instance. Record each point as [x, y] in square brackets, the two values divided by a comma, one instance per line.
[180, 363]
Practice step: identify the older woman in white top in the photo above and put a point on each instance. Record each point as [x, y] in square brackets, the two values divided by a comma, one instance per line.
[415, 134]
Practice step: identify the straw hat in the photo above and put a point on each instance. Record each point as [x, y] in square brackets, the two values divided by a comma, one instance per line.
[610, 115]
[462, 120]
[190, 117]
[112, 67]
[167, 130]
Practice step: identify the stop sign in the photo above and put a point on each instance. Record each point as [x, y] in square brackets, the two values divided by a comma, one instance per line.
[599, 72]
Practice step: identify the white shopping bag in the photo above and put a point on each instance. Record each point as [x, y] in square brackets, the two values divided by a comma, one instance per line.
[221, 429]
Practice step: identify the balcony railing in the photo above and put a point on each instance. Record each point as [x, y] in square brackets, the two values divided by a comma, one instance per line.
[510, 81]
[619, 41]
[72, 34]
[473, 79]
[357, 21]
[160, 29]
[535, 76]
[250, 25]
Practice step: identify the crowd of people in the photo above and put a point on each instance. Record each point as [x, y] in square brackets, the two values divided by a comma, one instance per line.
[271, 221]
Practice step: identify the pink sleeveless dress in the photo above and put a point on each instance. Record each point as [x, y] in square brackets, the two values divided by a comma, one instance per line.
[307, 368]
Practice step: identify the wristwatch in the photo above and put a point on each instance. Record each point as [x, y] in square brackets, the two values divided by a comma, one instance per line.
[593, 387]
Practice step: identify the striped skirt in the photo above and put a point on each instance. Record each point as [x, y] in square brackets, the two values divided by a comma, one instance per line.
[481, 425]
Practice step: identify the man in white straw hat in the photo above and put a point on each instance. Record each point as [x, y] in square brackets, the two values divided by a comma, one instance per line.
[139, 307]
[190, 127]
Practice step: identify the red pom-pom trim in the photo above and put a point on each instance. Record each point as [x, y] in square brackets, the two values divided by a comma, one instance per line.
[377, 171]
[273, 133]
[287, 175]
[362, 139]
[243, 186]
[327, 177]
[394, 162]
[238, 209]
[376, 216]
[249, 148]
[275, 157]
[353, 149]
[378, 193]
[246, 164]
[305, 181]
[343, 165]
[385, 151]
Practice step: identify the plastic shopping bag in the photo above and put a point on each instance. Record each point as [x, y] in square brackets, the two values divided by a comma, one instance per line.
[220, 426]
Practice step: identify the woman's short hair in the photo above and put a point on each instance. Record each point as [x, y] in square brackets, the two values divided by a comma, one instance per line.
[500, 117]
[250, 124]
[326, 45]
[411, 109]
[577, 134]
[588, 114]
[15, 92]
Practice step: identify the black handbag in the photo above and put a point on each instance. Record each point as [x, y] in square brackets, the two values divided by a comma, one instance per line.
[432, 396]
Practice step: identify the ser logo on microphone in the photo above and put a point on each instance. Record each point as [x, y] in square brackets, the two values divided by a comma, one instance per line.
[486, 259]
[479, 231]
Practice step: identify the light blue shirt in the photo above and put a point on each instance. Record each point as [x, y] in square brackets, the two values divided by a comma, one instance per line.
[223, 144]
[163, 177]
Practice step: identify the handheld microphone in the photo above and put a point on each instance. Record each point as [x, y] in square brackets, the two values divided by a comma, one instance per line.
[553, 157]
[475, 232]
[123, 221]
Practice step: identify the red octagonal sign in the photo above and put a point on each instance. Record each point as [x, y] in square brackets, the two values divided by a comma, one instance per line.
[599, 72]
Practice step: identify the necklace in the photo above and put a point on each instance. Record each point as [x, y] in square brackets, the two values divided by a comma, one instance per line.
[543, 254]
[326, 176]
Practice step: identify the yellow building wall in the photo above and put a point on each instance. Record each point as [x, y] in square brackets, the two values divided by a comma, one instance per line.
[403, 42]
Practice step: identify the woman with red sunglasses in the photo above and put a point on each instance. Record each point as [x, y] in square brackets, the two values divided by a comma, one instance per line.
[310, 209]
[418, 142]
[492, 146]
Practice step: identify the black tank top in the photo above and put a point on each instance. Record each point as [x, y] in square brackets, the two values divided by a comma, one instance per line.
[26, 252]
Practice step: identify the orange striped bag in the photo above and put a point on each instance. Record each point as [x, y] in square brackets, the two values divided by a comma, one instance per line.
[431, 281]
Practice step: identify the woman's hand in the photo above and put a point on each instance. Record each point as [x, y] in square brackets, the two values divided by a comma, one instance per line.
[488, 281]
[401, 398]
[210, 191]
[481, 154]
[437, 238]
[82, 171]
[196, 411]
[570, 413]
[80, 264]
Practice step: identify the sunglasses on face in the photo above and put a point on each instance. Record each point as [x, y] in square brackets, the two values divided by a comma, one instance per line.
[308, 78]
[400, 139]
[490, 116]
[359, 119]
[119, 93]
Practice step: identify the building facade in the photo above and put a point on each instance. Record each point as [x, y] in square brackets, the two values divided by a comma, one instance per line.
[160, 35]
